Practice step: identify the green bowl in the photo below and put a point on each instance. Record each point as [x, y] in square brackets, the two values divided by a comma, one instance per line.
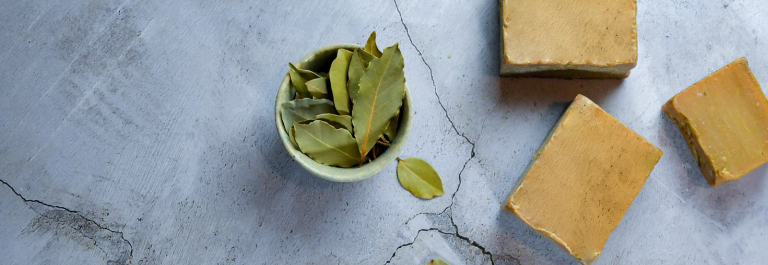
[320, 60]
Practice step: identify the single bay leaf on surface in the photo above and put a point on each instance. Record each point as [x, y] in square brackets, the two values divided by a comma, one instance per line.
[382, 88]
[438, 262]
[318, 87]
[391, 131]
[370, 45]
[327, 145]
[344, 120]
[338, 75]
[357, 65]
[303, 109]
[419, 177]
[299, 78]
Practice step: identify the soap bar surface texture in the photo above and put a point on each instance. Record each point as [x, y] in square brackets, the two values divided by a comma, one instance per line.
[568, 38]
[583, 179]
[724, 119]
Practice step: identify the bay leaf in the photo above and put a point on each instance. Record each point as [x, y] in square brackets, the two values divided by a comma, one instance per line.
[391, 131]
[344, 120]
[327, 145]
[292, 136]
[438, 262]
[318, 87]
[419, 177]
[383, 141]
[379, 149]
[299, 78]
[299, 84]
[292, 133]
[338, 75]
[374, 152]
[303, 109]
[357, 65]
[370, 45]
[306, 74]
[382, 88]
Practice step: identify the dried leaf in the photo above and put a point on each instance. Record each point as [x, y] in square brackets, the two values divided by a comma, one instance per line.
[370, 45]
[377, 150]
[419, 177]
[380, 148]
[327, 145]
[292, 133]
[292, 136]
[299, 84]
[318, 87]
[299, 79]
[357, 65]
[391, 131]
[338, 75]
[382, 88]
[383, 142]
[303, 109]
[438, 262]
[344, 120]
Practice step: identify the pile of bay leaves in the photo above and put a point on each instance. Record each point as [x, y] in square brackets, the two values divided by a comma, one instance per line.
[356, 119]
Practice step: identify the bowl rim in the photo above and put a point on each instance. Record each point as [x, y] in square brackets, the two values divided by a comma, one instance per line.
[338, 174]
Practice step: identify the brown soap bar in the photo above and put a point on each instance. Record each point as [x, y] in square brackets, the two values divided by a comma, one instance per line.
[583, 179]
[568, 38]
[724, 119]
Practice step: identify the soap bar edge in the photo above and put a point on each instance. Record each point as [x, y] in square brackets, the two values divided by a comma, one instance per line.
[508, 68]
[511, 207]
[701, 157]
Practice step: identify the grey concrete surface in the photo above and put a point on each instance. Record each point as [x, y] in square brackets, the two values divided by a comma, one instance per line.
[142, 132]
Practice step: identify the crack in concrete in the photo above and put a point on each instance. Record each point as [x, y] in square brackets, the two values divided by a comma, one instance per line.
[472, 156]
[432, 77]
[76, 226]
[457, 235]
[408, 244]
[427, 213]
[439, 101]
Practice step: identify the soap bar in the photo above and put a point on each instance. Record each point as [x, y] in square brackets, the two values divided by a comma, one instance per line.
[583, 179]
[568, 38]
[724, 120]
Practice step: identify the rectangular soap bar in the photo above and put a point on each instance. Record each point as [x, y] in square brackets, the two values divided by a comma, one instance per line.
[724, 119]
[568, 38]
[583, 179]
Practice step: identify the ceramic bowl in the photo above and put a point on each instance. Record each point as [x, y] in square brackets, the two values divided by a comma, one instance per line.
[320, 60]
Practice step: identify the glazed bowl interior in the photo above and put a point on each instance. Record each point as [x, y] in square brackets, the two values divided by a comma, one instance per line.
[320, 61]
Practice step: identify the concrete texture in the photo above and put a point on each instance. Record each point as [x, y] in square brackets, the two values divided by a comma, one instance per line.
[142, 132]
